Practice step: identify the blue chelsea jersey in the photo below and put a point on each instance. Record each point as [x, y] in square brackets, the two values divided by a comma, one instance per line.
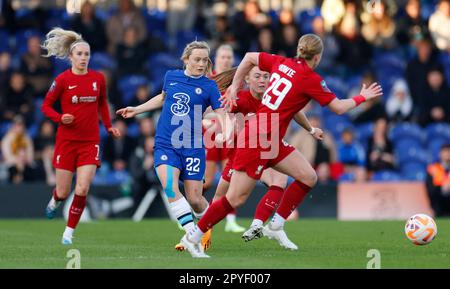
[180, 123]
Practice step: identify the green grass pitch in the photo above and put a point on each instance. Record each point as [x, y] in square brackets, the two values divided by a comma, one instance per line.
[150, 244]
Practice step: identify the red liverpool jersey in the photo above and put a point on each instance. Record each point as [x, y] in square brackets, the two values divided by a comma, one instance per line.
[82, 96]
[292, 85]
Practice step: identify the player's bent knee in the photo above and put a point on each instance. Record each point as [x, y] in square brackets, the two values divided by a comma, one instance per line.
[309, 179]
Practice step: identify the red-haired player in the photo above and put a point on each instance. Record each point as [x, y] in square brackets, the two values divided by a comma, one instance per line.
[82, 94]
[293, 83]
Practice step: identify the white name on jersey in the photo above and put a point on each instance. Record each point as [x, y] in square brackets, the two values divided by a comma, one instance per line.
[288, 71]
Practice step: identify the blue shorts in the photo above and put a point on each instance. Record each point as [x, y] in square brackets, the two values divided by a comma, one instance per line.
[190, 162]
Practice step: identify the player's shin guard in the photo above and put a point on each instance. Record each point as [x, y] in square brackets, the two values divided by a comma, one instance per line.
[292, 198]
[269, 203]
[76, 209]
[216, 212]
[182, 211]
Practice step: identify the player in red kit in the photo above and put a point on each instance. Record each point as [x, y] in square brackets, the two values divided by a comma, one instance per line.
[82, 94]
[293, 83]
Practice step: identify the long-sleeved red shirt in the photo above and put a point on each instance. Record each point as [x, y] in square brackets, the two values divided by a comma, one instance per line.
[82, 96]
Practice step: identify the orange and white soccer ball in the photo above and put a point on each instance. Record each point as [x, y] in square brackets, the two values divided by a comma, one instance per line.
[420, 229]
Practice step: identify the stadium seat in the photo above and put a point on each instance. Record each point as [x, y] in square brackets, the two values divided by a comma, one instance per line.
[128, 85]
[386, 176]
[155, 20]
[412, 155]
[4, 44]
[133, 130]
[347, 177]
[305, 18]
[434, 147]
[338, 86]
[406, 130]
[59, 65]
[438, 130]
[101, 60]
[4, 127]
[414, 171]
[21, 39]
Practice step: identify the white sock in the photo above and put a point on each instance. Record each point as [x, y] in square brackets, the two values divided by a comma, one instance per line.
[182, 211]
[195, 235]
[68, 233]
[256, 223]
[277, 222]
[231, 218]
[198, 216]
[53, 204]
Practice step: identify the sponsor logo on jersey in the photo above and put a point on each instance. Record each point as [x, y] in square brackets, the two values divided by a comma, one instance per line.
[74, 99]
[94, 85]
[88, 98]
[164, 157]
[198, 90]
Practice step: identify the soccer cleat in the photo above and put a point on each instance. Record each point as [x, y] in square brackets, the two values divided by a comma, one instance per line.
[50, 210]
[280, 236]
[253, 233]
[66, 241]
[233, 227]
[195, 249]
[206, 240]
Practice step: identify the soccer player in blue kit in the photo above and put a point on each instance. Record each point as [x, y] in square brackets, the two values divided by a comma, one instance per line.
[179, 150]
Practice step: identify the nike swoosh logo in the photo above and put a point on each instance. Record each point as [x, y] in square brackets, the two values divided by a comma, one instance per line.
[173, 83]
[191, 174]
[72, 87]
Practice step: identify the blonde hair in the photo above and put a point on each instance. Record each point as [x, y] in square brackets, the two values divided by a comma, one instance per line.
[225, 47]
[308, 46]
[197, 45]
[224, 79]
[60, 42]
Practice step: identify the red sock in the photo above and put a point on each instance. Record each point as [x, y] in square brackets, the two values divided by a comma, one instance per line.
[292, 198]
[76, 209]
[269, 203]
[216, 212]
[55, 196]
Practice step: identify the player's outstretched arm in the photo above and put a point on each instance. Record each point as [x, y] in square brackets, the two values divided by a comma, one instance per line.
[341, 106]
[154, 103]
[248, 62]
[303, 121]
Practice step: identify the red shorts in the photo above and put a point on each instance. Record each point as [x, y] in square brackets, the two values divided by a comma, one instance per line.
[228, 170]
[250, 161]
[70, 154]
[216, 154]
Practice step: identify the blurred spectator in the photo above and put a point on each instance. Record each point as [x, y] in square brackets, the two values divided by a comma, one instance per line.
[438, 183]
[355, 52]
[266, 42]
[117, 151]
[437, 105]
[146, 129]
[18, 99]
[247, 23]
[46, 136]
[142, 95]
[142, 169]
[17, 151]
[439, 24]
[91, 27]
[127, 16]
[330, 54]
[37, 69]
[380, 29]
[352, 155]
[7, 16]
[380, 151]
[399, 105]
[130, 54]
[332, 12]
[220, 33]
[370, 110]
[320, 154]
[289, 41]
[224, 59]
[5, 74]
[181, 16]
[412, 24]
[417, 71]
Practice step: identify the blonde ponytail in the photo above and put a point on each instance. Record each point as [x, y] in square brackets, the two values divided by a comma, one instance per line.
[308, 46]
[60, 42]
